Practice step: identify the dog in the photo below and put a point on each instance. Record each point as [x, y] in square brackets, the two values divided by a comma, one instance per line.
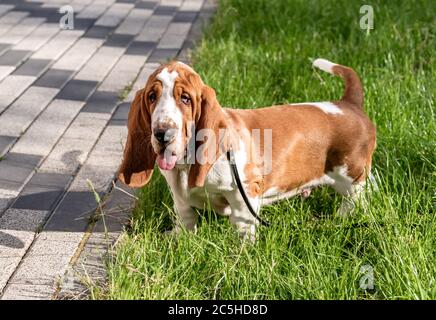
[304, 145]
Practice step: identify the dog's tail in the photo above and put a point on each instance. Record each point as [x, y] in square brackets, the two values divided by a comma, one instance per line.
[353, 87]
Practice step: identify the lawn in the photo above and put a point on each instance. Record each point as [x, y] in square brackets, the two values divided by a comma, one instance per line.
[258, 53]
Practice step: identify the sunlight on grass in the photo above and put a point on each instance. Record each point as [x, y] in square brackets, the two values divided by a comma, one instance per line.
[258, 53]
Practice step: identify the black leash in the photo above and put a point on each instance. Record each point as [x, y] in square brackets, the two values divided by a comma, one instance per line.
[231, 159]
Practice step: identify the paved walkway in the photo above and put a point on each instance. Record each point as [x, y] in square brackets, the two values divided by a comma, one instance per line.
[64, 100]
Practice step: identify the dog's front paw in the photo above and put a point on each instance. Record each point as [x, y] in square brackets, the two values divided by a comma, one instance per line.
[248, 234]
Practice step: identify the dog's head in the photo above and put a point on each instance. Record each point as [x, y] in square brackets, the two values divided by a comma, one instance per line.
[164, 116]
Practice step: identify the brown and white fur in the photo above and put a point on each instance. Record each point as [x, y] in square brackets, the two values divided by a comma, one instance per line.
[313, 144]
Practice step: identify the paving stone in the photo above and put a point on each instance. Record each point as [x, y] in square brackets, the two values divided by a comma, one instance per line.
[54, 78]
[16, 168]
[58, 44]
[41, 136]
[50, 14]
[4, 47]
[7, 196]
[83, 23]
[11, 87]
[118, 40]
[117, 122]
[21, 30]
[28, 292]
[114, 15]
[191, 5]
[38, 198]
[10, 19]
[38, 37]
[163, 55]
[104, 159]
[165, 10]
[95, 10]
[73, 148]
[123, 73]
[175, 35]
[78, 54]
[14, 57]
[43, 266]
[78, 90]
[101, 102]
[141, 48]
[5, 71]
[98, 32]
[17, 231]
[174, 3]
[43, 191]
[45, 261]
[86, 126]
[67, 156]
[73, 213]
[146, 5]
[5, 8]
[141, 80]
[5, 144]
[134, 22]
[17, 118]
[25, 6]
[122, 112]
[185, 16]
[42, 179]
[100, 64]
[154, 28]
[33, 67]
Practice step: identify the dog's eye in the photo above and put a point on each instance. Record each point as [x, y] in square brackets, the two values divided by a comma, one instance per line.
[152, 97]
[186, 99]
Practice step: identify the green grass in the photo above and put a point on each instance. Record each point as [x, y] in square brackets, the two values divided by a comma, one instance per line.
[257, 53]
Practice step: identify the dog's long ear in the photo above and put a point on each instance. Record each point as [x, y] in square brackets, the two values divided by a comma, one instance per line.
[213, 144]
[139, 157]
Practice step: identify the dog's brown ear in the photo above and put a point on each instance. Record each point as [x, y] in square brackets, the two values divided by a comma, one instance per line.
[209, 148]
[139, 157]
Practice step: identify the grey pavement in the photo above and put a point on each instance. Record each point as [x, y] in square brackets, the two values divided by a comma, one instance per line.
[64, 100]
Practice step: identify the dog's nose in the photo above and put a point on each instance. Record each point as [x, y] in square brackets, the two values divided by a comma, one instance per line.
[160, 135]
[164, 135]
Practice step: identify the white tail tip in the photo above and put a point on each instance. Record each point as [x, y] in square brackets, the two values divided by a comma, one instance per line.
[324, 65]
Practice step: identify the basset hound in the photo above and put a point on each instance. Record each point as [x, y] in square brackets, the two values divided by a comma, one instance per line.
[177, 122]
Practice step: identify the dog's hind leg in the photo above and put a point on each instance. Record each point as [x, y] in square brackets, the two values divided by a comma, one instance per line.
[354, 192]
[349, 200]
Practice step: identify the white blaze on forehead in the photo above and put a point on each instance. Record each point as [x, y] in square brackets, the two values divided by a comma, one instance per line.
[167, 80]
[166, 108]
[327, 107]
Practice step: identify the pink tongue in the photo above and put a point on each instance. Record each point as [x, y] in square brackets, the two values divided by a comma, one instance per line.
[167, 163]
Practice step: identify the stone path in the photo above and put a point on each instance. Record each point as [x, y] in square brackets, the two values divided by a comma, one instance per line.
[63, 122]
